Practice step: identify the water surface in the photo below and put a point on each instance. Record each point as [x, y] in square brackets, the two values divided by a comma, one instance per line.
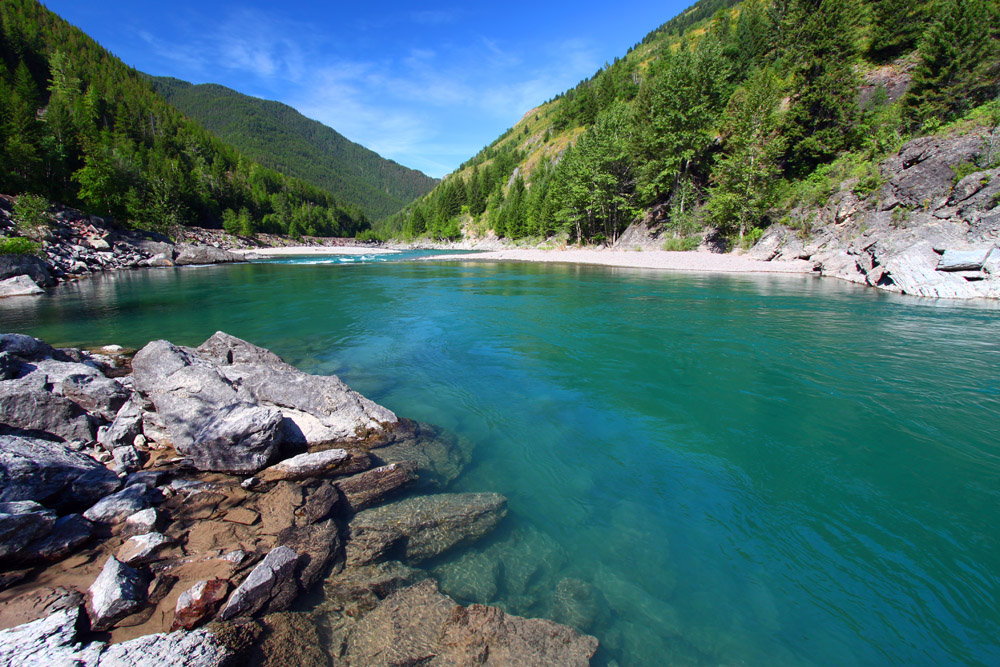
[702, 469]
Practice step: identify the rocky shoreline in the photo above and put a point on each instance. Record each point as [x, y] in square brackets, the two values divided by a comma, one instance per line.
[215, 505]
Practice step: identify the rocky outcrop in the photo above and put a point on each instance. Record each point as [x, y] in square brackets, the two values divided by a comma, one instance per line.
[924, 232]
[19, 286]
[29, 266]
[203, 254]
[419, 625]
[418, 528]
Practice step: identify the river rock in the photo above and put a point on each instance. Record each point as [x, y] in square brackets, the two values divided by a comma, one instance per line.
[439, 457]
[25, 404]
[143, 549]
[28, 265]
[51, 473]
[68, 534]
[270, 587]
[184, 649]
[119, 506]
[420, 527]
[303, 466]
[95, 393]
[20, 523]
[578, 604]
[419, 625]
[357, 590]
[199, 603]
[127, 425]
[118, 591]
[201, 409]
[371, 487]
[48, 641]
[472, 577]
[142, 522]
[319, 549]
[203, 254]
[317, 409]
[19, 286]
[127, 458]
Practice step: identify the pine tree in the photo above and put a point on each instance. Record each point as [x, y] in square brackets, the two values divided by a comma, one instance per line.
[896, 26]
[958, 62]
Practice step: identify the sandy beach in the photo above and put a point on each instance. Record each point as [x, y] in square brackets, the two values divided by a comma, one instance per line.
[316, 250]
[648, 259]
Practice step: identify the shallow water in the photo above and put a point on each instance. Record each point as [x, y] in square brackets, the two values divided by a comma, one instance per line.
[759, 470]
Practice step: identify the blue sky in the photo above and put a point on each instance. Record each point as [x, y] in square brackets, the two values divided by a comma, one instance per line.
[425, 85]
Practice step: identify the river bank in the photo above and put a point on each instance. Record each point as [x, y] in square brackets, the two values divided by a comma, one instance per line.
[136, 509]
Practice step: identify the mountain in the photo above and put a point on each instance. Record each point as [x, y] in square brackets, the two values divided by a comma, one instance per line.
[79, 126]
[279, 137]
[728, 118]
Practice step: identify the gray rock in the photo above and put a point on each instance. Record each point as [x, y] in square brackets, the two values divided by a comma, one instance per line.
[25, 347]
[48, 641]
[9, 366]
[95, 393]
[143, 549]
[199, 648]
[206, 418]
[51, 473]
[68, 534]
[119, 506]
[419, 625]
[118, 591]
[19, 286]
[26, 404]
[420, 527]
[142, 522]
[20, 523]
[964, 260]
[440, 458]
[270, 587]
[319, 549]
[126, 426]
[304, 466]
[318, 409]
[29, 265]
[203, 254]
[127, 458]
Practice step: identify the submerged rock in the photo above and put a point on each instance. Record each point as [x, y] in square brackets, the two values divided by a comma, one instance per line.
[418, 528]
[373, 486]
[439, 457]
[356, 590]
[419, 625]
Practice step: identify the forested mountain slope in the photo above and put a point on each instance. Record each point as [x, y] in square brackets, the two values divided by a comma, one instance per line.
[729, 117]
[279, 137]
[79, 126]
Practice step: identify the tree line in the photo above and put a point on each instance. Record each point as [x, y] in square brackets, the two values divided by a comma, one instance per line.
[79, 126]
[711, 122]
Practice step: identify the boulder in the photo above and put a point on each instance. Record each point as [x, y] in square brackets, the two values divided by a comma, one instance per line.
[118, 591]
[421, 527]
[319, 549]
[371, 487]
[964, 260]
[419, 625]
[203, 254]
[119, 506]
[126, 426]
[201, 409]
[48, 641]
[199, 603]
[127, 458]
[20, 523]
[270, 587]
[19, 286]
[142, 522]
[439, 457]
[9, 366]
[25, 347]
[68, 534]
[144, 549]
[199, 648]
[51, 473]
[25, 404]
[28, 265]
[95, 393]
[317, 409]
[357, 590]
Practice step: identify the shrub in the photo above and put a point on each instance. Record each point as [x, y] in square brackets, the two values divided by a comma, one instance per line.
[680, 243]
[30, 212]
[17, 245]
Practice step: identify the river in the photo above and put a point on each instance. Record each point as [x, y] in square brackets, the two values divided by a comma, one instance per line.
[701, 469]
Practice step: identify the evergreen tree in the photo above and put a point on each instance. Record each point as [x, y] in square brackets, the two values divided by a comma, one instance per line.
[958, 62]
[895, 28]
[744, 178]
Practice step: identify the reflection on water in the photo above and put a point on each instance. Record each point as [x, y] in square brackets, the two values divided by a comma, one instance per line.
[701, 469]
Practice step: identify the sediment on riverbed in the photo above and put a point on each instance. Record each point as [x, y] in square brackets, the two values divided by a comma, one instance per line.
[215, 505]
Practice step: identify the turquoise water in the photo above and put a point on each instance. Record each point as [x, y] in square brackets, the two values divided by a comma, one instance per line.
[705, 470]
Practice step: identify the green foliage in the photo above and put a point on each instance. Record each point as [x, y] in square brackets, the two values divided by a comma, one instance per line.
[895, 28]
[680, 243]
[743, 188]
[279, 137]
[31, 212]
[18, 245]
[77, 125]
[958, 65]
